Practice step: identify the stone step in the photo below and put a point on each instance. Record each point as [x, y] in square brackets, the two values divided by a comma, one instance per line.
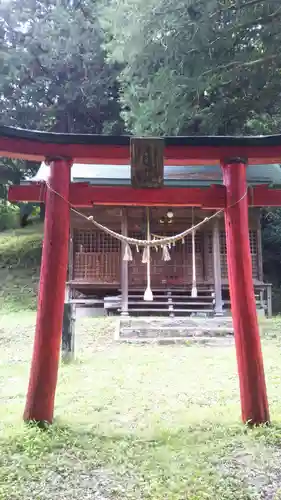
[200, 340]
[173, 332]
[178, 327]
[179, 322]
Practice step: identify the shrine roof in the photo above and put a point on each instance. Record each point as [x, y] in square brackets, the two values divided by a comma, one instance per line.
[199, 176]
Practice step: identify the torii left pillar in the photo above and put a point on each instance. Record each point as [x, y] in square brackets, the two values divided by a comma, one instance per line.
[46, 352]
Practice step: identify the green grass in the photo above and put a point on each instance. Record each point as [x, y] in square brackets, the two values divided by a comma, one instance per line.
[20, 254]
[154, 422]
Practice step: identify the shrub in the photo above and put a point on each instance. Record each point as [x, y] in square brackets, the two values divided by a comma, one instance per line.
[9, 215]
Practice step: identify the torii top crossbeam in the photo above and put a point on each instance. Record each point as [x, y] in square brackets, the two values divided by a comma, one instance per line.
[101, 149]
[83, 148]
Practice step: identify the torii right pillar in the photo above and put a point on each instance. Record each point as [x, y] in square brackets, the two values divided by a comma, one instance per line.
[254, 404]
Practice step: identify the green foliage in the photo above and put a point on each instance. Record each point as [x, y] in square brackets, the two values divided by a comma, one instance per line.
[198, 66]
[9, 216]
[271, 226]
[54, 74]
[271, 236]
[11, 172]
[21, 248]
[20, 256]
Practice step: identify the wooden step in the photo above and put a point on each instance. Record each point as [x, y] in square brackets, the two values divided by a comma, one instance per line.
[175, 296]
[155, 301]
[192, 299]
[86, 302]
[172, 303]
[169, 311]
[193, 304]
[173, 290]
[148, 310]
[156, 296]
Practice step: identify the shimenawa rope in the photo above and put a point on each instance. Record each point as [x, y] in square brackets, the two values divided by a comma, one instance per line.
[148, 243]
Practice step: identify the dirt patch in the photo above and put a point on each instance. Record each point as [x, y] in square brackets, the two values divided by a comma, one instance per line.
[73, 484]
[258, 469]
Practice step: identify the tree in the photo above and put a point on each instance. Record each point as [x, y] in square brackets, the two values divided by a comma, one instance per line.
[201, 67]
[197, 66]
[54, 75]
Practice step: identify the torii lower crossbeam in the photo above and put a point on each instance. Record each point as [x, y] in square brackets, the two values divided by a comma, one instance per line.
[84, 196]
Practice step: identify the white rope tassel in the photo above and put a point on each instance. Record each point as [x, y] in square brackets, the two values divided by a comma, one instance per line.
[128, 253]
[165, 253]
[194, 285]
[145, 255]
[148, 295]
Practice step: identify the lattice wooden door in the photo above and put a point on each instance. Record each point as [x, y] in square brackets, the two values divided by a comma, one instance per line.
[96, 257]
[176, 272]
[254, 253]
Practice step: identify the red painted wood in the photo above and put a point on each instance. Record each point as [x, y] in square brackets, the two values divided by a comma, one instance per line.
[46, 352]
[254, 403]
[35, 150]
[84, 195]
[263, 196]
[34, 193]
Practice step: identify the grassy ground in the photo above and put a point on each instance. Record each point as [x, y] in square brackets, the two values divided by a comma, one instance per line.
[137, 422]
[20, 253]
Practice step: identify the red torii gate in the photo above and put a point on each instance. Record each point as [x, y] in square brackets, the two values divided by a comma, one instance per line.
[61, 150]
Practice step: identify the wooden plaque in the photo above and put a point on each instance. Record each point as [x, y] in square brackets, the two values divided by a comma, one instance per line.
[147, 162]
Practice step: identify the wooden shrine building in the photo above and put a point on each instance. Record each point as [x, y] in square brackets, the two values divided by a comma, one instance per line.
[235, 190]
[98, 275]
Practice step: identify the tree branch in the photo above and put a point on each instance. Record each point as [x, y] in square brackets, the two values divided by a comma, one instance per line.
[233, 6]
[247, 64]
